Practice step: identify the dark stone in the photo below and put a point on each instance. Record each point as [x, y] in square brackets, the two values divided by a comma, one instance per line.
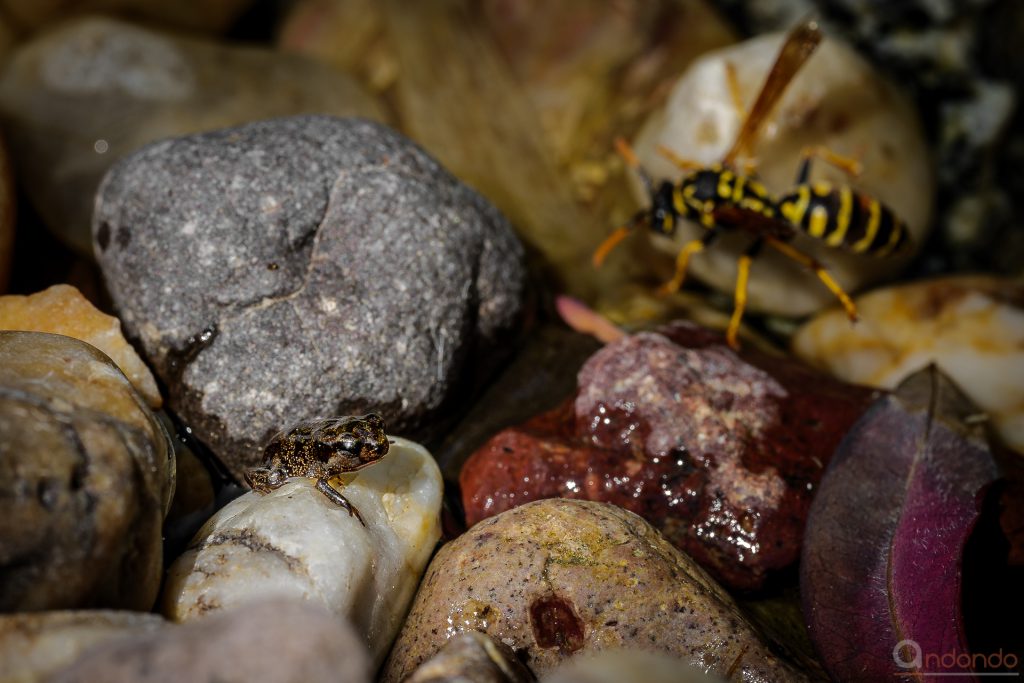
[86, 475]
[305, 266]
[721, 452]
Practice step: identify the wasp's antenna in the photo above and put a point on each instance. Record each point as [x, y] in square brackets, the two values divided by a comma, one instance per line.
[629, 156]
[621, 233]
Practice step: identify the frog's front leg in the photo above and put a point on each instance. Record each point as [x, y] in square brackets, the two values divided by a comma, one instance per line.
[338, 499]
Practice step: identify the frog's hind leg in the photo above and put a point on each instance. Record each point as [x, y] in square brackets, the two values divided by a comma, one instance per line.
[341, 501]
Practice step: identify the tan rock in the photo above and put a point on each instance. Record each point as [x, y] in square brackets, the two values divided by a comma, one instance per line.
[62, 309]
[972, 327]
[556, 579]
[86, 477]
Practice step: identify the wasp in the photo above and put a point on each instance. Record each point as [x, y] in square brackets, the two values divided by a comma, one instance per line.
[724, 197]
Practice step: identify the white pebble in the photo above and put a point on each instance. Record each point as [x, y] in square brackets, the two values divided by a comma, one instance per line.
[295, 542]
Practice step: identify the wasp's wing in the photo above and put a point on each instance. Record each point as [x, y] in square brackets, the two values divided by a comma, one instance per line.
[799, 45]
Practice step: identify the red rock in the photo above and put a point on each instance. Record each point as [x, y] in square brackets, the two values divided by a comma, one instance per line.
[721, 451]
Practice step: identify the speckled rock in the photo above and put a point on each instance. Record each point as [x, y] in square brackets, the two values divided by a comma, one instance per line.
[35, 645]
[295, 542]
[277, 641]
[86, 477]
[614, 666]
[472, 657]
[62, 309]
[720, 451]
[77, 99]
[304, 266]
[837, 100]
[557, 578]
[972, 327]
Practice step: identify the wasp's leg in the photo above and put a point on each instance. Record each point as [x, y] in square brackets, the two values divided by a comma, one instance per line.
[680, 162]
[792, 252]
[683, 260]
[732, 79]
[849, 165]
[341, 501]
[740, 295]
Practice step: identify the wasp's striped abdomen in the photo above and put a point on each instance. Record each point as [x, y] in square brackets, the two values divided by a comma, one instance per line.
[843, 218]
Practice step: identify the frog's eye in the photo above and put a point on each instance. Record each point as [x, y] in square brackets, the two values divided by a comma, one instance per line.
[276, 478]
[349, 444]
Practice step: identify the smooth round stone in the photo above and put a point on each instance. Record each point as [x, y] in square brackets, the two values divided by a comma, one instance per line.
[86, 477]
[556, 579]
[62, 309]
[77, 99]
[274, 641]
[836, 100]
[306, 266]
[35, 645]
[972, 327]
[294, 542]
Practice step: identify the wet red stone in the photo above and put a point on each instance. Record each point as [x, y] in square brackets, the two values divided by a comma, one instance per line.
[721, 452]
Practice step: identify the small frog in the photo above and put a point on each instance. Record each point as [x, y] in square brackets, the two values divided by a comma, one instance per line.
[322, 449]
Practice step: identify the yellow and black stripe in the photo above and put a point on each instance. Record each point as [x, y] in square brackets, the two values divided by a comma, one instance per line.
[700, 193]
[844, 218]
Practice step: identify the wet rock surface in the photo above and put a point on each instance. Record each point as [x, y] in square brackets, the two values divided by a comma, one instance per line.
[62, 309]
[295, 542]
[274, 641]
[472, 657]
[972, 327]
[86, 476]
[77, 99]
[720, 452]
[554, 579]
[34, 646]
[304, 266]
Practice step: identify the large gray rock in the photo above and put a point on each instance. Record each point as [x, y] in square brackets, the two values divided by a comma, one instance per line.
[304, 266]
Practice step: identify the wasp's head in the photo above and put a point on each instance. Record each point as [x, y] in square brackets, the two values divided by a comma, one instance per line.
[663, 213]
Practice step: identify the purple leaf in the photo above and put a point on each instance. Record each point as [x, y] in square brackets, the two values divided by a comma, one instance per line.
[881, 564]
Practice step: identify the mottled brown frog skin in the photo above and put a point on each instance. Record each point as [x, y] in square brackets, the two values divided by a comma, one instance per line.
[322, 449]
